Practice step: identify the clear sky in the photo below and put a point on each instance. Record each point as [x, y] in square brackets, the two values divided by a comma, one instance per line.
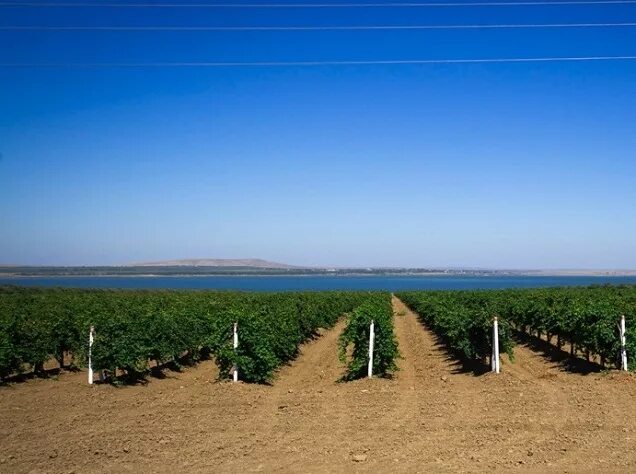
[473, 165]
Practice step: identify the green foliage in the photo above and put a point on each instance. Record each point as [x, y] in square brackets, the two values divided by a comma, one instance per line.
[134, 328]
[271, 328]
[376, 308]
[31, 339]
[463, 319]
[9, 361]
[256, 355]
[585, 317]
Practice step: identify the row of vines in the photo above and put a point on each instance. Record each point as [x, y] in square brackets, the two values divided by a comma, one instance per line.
[463, 319]
[135, 330]
[585, 318]
[355, 338]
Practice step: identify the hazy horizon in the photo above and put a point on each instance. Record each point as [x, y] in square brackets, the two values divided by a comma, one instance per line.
[322, 266]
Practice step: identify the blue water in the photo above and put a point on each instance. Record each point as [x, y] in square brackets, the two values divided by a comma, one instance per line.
[321, 282]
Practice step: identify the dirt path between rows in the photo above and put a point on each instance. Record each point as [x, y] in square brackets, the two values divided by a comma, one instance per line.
[534, 415]
[432, 416]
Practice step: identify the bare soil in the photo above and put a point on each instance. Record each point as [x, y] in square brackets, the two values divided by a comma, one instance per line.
[432, 416]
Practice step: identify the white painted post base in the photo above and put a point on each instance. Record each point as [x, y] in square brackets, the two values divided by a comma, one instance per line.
[91, 336]
[495, 347]
[235, 369]
[623, 344]
[371, 344]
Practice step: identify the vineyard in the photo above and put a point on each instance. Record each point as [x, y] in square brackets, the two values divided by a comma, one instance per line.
[136, 329]
[377, 310]
[584, 318]
[536, 415]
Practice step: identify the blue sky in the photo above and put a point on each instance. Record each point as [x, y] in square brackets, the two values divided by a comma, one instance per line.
[491, 165]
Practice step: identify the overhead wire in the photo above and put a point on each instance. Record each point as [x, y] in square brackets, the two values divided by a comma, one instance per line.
[314, 5]
[196, 64]
[314, 28]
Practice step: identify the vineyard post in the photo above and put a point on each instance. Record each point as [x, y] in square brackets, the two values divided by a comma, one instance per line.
[371, 342]
[235, 368]
[91, 333]
[623, 343]
[495, 346]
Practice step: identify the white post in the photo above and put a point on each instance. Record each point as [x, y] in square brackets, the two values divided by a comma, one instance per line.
[623, 344]
[495, 346]
[91, 334]
[371, 343]
[235, 369]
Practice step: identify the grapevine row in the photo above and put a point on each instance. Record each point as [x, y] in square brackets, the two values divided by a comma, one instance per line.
[463, 319]
[136, 329]
[586, 318]
[377, 309]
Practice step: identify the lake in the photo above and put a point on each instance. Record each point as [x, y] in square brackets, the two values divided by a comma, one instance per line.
[317, 282]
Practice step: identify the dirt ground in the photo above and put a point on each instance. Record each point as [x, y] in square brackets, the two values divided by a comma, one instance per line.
[431, 417]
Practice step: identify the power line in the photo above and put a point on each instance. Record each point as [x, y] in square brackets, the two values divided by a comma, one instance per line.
[312, 28]
[316, 5]
[316, 63]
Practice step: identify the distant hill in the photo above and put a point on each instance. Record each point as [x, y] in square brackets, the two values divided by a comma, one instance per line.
[214, 262]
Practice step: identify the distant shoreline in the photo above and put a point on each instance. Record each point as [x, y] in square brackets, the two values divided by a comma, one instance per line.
[263, 268]
[495, 274]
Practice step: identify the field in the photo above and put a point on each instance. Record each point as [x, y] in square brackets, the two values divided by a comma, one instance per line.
[434, 413]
